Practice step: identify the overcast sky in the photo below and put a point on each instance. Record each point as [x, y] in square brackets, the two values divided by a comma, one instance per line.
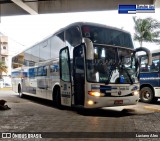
[27, 30]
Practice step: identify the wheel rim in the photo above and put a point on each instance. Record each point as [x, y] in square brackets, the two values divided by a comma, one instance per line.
[146, 95]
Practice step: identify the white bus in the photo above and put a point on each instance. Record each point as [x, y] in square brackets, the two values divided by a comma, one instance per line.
[84, 64]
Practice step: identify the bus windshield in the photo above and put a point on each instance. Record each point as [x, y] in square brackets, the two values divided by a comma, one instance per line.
[108, 36]
[112, 65]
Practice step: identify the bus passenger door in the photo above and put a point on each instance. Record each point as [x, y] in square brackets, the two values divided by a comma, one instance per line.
[65, 77]
[78, 75]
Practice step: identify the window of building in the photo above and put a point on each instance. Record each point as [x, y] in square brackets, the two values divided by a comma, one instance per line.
[3, 59]
[4, 47]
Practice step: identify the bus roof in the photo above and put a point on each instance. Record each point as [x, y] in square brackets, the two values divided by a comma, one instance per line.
[74, 24]
[156, 51]
[89, 23]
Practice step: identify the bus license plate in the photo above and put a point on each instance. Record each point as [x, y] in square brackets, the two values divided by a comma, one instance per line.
[118, 102]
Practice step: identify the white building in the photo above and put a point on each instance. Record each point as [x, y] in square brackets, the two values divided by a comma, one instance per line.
[8, 48]
[4, 57]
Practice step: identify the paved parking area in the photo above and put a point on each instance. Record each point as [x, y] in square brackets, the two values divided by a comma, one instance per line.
[37, 115]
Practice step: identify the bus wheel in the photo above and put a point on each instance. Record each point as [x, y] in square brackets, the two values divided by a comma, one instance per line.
[146, 95]
[20, 91]
[57, 98]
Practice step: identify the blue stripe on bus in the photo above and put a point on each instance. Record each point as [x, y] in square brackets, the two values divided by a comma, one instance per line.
[110, 95]
[150, 78]
[143, 75]
[105, 87]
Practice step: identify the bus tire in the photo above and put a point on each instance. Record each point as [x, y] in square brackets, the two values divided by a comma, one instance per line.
[20, 91]
[57, 98]
[147, 95]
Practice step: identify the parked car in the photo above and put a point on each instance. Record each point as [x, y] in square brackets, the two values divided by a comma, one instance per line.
[7, 85]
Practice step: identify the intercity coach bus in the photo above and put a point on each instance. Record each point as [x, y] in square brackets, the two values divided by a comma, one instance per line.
[86, 65]
[150, 78]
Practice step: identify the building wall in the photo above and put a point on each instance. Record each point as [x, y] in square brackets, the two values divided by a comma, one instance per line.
[4, 57]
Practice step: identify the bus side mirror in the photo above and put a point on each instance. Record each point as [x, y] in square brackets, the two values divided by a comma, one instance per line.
[89, 49]
[148, 53]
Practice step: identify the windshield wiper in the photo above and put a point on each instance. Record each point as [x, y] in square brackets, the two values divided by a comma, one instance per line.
[113, 67]
[127, 74]
[110, 74]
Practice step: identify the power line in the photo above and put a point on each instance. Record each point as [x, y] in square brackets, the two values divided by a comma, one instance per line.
[3, 34]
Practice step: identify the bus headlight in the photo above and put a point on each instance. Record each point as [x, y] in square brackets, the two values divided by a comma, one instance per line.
[90, 102]
[97, 94]
[135, 93]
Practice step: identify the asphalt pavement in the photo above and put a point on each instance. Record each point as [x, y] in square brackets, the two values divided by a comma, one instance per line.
[29, 116]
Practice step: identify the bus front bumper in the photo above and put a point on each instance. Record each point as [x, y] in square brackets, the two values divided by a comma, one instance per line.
[99, 102]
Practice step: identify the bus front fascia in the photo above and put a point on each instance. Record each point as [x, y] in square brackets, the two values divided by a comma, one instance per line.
[96, 98]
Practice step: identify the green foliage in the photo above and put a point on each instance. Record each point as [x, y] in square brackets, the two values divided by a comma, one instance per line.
[146, 30]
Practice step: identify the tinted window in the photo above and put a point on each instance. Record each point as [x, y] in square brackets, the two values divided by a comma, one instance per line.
[64, 65]
[155, 67]
[107, 36]
[28, 58]
[57, 42]
[35, 53]
[31, 72]
[42, 71]
[17, 61]
[73, 36]
[16, 74]
[45, 50]
[54, 68]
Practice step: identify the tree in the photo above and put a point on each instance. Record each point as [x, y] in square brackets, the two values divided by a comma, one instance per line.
[3, 68]
[146, 30]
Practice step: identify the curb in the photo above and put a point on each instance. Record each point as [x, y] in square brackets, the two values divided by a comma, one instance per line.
[6, 89]
[152, 108]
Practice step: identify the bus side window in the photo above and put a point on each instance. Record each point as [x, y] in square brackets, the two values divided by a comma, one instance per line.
[152, 68]
[54, 68]
[31, 72]
[36, 71]
[51, 68]
[144, 66]
[44, 71]
[158, 66]
[57, 42]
